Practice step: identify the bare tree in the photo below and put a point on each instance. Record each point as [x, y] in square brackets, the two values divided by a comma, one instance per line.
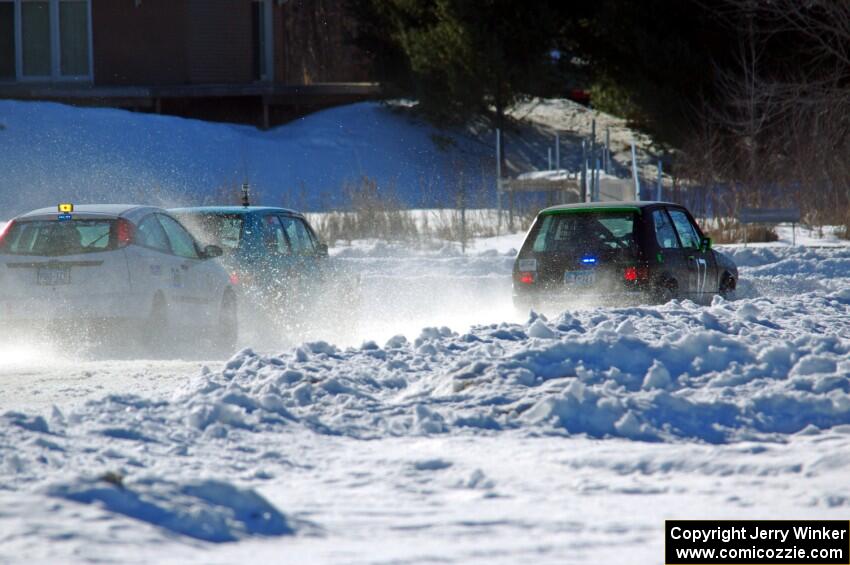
[782, 128]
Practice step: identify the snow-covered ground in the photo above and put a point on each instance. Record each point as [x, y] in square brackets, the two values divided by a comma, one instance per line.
[567, 439]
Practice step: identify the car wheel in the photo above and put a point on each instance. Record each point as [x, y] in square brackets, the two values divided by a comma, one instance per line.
[665, 291]
[227, 330]
[727, 288]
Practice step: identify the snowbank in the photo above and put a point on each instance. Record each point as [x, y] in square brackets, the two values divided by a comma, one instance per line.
[55, 153]
[207, 510]
[729, 372]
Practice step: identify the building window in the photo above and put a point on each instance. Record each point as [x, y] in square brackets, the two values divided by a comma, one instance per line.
[73, 38]
[7, 40]
[45, 40]
[35, 38]
[261, 19]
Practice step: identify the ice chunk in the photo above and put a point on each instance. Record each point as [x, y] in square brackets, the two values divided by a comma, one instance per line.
[657, 376]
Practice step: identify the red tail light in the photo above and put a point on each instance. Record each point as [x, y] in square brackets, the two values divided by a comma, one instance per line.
[124, 231]
[526, 278]
[633, 274]
[5, 230]
[243, 278]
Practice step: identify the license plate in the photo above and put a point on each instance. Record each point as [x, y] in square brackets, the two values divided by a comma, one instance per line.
[580, 278]
[51, 276]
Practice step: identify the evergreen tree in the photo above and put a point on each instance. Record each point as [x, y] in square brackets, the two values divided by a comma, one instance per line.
[462, 57]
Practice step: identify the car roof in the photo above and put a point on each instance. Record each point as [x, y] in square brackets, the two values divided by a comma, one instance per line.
[92, 210]
[242, 210]
[637, 205]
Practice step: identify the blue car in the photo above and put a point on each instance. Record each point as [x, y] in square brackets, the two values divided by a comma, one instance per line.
[272, 254]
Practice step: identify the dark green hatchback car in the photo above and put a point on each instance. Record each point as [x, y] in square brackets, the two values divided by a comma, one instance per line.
[625, 252]
[274, 258]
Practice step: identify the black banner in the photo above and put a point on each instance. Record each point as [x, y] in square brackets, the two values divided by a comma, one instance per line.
[757, 542]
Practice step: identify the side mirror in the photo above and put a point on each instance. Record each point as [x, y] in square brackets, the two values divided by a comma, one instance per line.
[705, 244]
[212, 251]
[323, 250]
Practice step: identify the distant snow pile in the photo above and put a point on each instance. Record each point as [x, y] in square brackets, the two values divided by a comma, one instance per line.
[54, 153]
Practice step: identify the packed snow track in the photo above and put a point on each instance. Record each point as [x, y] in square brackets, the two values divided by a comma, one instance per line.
[561, 439]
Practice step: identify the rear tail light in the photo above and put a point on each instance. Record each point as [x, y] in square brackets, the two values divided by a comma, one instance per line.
[526, 277]
[242, 278]
[633, 274]
[124, 232]
[5, 230]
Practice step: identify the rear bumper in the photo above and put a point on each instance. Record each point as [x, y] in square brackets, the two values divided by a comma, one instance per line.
[103, 307]
[549, 299]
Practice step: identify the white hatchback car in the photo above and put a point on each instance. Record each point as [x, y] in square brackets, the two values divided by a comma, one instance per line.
[114, 263]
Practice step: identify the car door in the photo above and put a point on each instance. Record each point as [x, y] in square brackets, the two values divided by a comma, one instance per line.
[150, 260]
[669, 256]
[279, 263]
[189, 276]
[711, 273]
[702, 271]
[305, 254]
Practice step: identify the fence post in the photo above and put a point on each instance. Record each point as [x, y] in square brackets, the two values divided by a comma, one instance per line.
[596, 189]
[557, 151]
[498, 181]
[607, 148]
[549, 150]
[593, 131]
[635, 172]
[593, 140]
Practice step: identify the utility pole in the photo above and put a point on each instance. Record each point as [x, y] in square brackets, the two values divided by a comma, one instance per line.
[558, 151]
[635, 172]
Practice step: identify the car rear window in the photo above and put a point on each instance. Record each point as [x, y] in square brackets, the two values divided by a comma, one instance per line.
[224, 230]
[584, 232]
[58, 238]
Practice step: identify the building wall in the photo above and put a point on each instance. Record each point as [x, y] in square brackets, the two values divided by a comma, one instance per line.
[172, 42]
[139, 45]
[219, 42]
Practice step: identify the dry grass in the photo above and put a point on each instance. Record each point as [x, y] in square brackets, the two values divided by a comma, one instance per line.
[734, 232]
